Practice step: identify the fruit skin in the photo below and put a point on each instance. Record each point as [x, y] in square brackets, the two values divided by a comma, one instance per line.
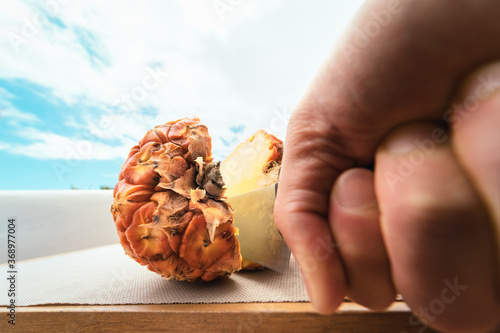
[168, 207]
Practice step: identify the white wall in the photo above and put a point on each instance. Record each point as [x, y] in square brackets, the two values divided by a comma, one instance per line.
[53, 222]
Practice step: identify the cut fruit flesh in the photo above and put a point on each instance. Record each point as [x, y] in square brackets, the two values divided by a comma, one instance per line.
[253, 164]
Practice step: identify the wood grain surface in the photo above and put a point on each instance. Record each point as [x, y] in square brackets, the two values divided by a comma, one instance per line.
[241, 317]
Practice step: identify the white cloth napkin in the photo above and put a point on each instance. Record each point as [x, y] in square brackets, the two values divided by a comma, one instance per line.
[105, 275]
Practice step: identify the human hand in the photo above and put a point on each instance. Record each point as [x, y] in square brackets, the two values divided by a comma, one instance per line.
[423, 223]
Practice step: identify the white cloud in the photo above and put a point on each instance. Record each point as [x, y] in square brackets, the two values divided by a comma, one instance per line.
[14, 116]
[228, 72]
[5, 95]
[10, 114]
[47, 145]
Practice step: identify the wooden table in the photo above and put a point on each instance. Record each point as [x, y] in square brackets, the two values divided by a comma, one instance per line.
[243, 317]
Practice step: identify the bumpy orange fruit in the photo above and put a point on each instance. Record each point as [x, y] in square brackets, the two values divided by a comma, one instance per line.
[169, 207]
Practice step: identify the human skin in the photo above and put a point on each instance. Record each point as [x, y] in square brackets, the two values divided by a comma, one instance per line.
[418, 99]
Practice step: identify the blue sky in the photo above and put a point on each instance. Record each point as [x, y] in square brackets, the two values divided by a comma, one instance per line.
[82, 81]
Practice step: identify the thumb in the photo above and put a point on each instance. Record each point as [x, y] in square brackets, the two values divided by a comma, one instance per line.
[308, 171]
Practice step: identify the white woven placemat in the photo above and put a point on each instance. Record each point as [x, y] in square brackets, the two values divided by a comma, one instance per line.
[105, 275]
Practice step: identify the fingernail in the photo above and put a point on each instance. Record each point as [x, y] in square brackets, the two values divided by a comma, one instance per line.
[416, 137]
[400, 144]
[482, 84]
[355, 189]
